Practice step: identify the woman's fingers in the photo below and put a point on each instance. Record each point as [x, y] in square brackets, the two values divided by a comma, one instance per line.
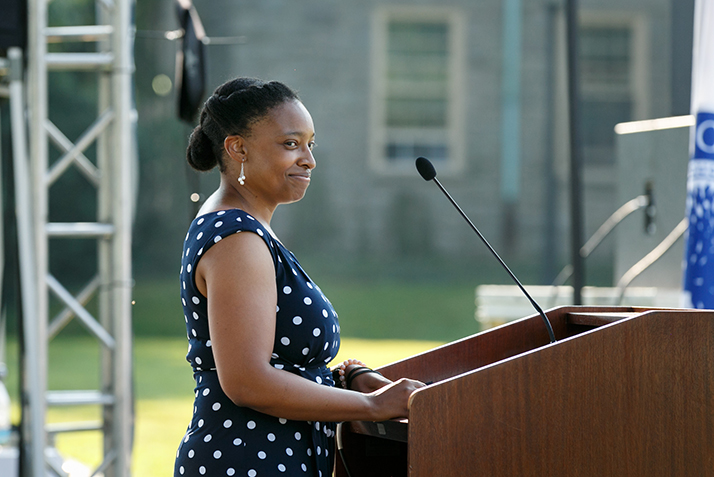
[392, 401]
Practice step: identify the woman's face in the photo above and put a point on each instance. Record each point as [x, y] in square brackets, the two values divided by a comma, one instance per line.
[278, 154]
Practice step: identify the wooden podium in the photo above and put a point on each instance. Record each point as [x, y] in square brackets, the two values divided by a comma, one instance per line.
[623, 392]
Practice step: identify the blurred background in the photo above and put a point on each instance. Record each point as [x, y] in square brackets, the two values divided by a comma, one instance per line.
[388, 81]
[477, 86]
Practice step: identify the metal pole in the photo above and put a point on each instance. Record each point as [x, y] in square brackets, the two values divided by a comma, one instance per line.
[511, 118]
[550, 211]
[105, 199]
[576, 219]
[122, 212]
[35, 371]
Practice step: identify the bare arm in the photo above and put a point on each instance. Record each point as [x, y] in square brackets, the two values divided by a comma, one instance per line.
[238, 278]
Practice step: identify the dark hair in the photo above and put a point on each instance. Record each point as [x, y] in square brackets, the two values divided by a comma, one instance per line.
[232, 110]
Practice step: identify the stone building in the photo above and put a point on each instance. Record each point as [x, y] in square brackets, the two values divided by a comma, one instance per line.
[479, 87]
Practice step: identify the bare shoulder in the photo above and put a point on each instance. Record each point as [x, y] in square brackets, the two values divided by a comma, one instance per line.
[235, 259]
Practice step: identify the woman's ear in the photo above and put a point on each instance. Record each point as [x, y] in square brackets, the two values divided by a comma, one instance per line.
[235, 147]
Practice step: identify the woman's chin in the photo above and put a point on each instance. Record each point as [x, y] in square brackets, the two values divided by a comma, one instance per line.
[296, 197]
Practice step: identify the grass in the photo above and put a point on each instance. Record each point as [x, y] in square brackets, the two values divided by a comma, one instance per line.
[404, 311]
[385, 309]
[163, 392]
[382, 322]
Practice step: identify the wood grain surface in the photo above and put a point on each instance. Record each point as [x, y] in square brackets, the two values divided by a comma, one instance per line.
[631, 397]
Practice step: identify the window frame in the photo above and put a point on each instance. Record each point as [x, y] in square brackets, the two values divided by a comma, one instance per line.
[637, 89]
[601, 174]
[456, 105]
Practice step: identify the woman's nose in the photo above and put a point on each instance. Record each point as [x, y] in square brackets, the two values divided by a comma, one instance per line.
[307, 159]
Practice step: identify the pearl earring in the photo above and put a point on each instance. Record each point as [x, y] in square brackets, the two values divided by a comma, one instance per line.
[241, 177]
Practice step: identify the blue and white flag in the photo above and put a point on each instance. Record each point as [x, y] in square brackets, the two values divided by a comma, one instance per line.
[699, 248]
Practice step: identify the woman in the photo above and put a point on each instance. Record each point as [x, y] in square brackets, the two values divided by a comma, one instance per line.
[260, 331]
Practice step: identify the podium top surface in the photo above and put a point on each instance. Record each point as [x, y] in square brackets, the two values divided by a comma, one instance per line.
[597, 319]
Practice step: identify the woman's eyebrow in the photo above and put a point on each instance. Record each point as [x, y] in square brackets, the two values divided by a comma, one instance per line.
[297, 133]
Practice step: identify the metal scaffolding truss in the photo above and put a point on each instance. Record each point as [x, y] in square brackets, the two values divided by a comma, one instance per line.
[112, 173]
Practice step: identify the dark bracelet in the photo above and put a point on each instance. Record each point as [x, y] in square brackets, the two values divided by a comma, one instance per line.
[356, 372]
[336, 376]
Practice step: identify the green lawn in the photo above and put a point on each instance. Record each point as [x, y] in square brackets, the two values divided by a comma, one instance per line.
[381, 322]
[386, 309]
[163, 393]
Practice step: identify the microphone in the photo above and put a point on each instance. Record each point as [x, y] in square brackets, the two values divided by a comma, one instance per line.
[428, 173]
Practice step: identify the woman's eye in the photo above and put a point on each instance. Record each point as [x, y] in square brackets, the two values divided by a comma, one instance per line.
[312, 145]
[291, 143]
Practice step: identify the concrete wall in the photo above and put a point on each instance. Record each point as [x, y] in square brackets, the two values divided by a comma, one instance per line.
[322, 48]
[661, 158]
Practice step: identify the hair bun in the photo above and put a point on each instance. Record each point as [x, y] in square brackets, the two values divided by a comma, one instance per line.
[199, 153]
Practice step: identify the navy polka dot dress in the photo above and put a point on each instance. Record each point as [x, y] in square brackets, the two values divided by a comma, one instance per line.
[225, 439]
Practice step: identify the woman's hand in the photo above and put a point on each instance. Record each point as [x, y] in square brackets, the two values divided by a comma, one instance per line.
[392, 401]
[388, 399]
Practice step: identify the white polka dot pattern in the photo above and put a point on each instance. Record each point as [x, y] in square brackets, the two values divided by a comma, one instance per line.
[224, 439]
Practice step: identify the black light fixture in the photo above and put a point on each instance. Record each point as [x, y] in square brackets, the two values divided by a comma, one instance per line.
[190, 62]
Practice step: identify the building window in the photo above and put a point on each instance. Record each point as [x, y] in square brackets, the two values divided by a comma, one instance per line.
[415, 89]
[606, 68]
